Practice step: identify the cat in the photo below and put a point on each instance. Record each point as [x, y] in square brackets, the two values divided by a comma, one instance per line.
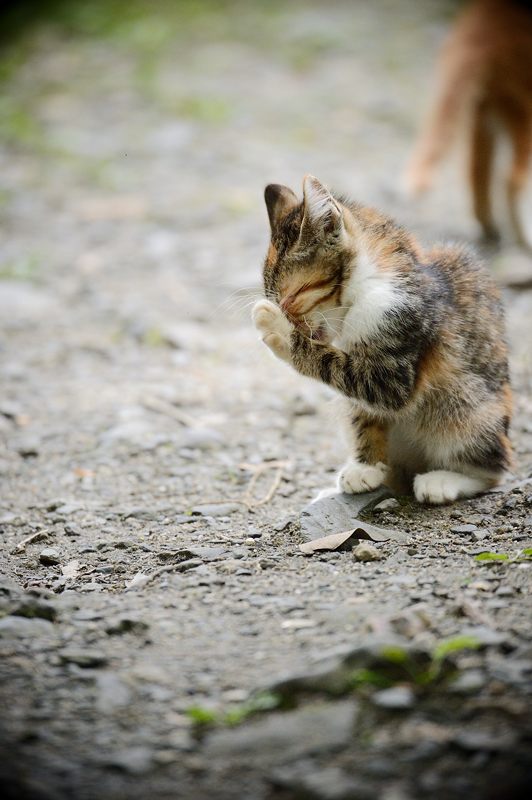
[486, 78]
[412, 339]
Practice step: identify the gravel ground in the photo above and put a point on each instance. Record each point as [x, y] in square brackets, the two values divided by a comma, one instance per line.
[155, 458]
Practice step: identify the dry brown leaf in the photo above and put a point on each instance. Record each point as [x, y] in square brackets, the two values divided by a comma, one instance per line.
[363, 530]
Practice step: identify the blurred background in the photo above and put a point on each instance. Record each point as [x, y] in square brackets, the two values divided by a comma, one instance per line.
[135, 141]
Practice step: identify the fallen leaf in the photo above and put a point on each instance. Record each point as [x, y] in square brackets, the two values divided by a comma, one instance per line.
[345, 540]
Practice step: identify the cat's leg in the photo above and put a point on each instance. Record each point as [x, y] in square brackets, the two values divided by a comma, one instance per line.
[444, 486]
[274, 327]
[366, 469]
[480, 169]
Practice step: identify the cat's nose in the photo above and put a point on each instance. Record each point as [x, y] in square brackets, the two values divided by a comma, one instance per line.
[287, 303]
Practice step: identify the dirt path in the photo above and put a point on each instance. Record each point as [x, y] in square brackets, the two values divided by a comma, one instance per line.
[137, 405]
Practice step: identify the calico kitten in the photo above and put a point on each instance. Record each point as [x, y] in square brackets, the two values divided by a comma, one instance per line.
[412, 339]
[486, 80]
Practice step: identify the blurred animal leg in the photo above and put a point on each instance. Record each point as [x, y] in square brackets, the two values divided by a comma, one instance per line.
[455, 86]
[482, 149]
[520, 127]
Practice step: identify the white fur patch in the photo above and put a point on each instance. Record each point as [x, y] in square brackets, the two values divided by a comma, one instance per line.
[442, 486]
[355, 477]
[369, 294]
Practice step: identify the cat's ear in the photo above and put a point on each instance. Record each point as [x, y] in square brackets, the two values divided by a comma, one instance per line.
[322, 215]
[279, 201]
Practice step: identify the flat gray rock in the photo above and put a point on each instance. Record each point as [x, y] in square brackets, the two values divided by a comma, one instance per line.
[14, 627]
[283, 736]
[337, 512]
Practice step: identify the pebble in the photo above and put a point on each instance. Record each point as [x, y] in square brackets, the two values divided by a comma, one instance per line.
[470, 681]
[33, 608]
[216, 509]
[397, 697]
[125, 624]
[14, 627]
[133, 760]
[387, 505]
[83, 658]
[49, 556]
[463, 530]
[366, 552]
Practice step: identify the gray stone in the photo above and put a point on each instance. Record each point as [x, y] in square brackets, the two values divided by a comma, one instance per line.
[390, 504]
[494, 741]
[397, 697]
[468, 682]
[83, 658]
[126, 624]
[113, 693]
[366, 552]
[337, 513]
[14, 627]
[321, 783]
[49, 556]
[463, 530]
[485, 635]
[216, 509]
[285, 736]
[133, 760]
[31, 607]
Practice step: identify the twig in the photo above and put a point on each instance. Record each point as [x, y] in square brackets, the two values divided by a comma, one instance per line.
[161, 407]
[259, 470]
[34, 537]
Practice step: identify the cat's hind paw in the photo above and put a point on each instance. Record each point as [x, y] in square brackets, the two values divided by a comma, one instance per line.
[355, 477]
[443, 486]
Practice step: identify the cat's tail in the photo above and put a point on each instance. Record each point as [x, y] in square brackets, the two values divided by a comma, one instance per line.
[458, 85]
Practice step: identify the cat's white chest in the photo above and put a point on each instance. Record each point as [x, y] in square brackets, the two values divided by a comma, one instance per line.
[369, 295]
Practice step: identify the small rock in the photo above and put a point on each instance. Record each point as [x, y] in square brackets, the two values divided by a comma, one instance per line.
[133, 760]
[33, 608]
[126, 625]
[297, 624]
[83, 658]
[486, 740]
[387, 505]
[216, 509]
[49, 556]
[287, 735]
[304, 779]
[14, 627]
[113, 693]
[463, 530]
[397, 697]
[366, 552]
[468, 682]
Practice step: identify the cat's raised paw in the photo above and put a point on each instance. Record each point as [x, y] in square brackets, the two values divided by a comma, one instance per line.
[443, 486]
[355, 477]
[275, 329]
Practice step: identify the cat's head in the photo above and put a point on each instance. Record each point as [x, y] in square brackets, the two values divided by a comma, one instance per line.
[309, 256]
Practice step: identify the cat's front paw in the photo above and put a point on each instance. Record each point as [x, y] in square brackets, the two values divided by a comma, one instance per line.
[273, 326]
[355, 477]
